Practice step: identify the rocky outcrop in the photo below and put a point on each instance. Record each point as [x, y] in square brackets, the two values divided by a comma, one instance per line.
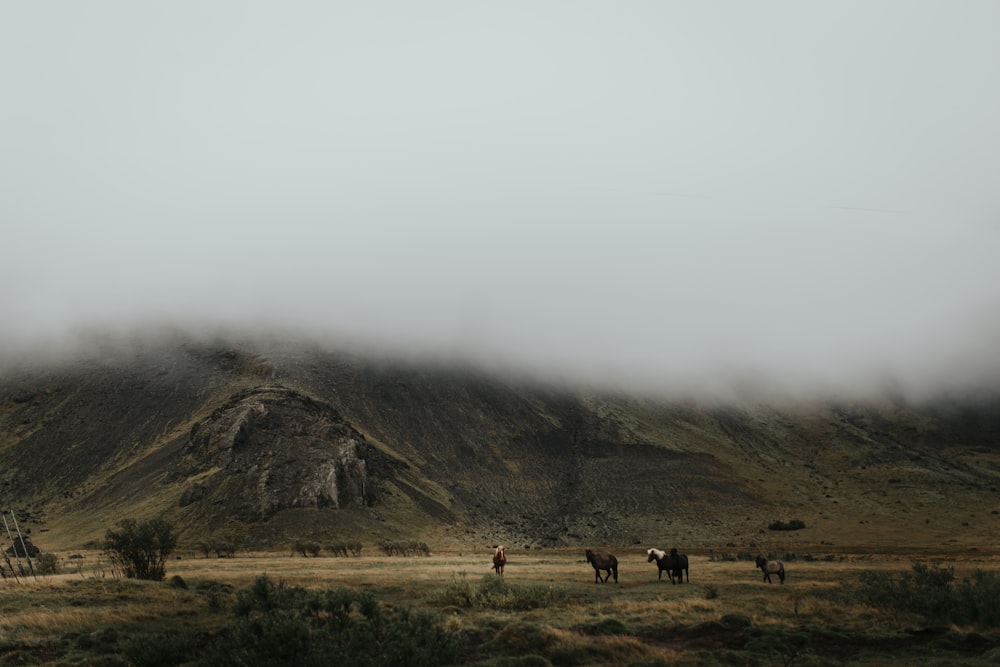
[272, 448]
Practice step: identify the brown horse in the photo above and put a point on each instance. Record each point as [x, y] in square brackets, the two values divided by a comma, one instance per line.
[769, 567]
[605, 562]
[499, 560]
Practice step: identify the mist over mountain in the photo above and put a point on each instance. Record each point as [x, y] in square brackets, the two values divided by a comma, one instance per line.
[798, 200]
[544, 274]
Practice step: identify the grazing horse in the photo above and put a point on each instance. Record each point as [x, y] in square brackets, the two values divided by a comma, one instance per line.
[499, 560]
[769, 567]
[605, 562]
[675, 564]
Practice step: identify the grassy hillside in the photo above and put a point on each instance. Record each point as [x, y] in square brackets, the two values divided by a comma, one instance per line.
[265, 444]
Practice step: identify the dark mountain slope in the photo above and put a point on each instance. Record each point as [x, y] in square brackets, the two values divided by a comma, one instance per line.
[262, 444]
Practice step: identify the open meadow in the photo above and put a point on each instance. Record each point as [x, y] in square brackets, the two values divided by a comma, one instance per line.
[450, 608]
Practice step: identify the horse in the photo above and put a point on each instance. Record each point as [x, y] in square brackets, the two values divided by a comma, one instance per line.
[499, 560]
[675, 564]
[769, 567]
[605, 562]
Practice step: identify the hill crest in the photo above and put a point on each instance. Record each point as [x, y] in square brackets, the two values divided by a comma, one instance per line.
[263, 445]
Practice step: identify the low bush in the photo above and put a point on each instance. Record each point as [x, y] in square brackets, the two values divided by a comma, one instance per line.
[493, 592]
[932, 593]
[221, 549]
[794, 524]
[345, 549]
[520, 638]
[405, 548]
[281, 624]
[306, 548]
[263, 596]
[46, 562]
[160, 650]
[732, 557]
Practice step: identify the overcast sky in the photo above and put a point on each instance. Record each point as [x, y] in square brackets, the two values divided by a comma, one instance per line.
[658, 192]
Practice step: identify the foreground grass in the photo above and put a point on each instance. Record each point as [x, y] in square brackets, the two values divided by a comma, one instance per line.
[546, 610]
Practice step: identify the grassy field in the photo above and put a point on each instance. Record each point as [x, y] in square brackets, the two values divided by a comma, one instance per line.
[547, 609]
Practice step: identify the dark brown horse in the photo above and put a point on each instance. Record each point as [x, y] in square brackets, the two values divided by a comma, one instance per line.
[674, 563]
[499, 560]
[605, 562]
[769, 567]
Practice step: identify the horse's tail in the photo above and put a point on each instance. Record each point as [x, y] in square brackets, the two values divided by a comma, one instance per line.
[614, 568]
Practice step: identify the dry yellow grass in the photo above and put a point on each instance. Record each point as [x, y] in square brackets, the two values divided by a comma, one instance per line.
[84, 598]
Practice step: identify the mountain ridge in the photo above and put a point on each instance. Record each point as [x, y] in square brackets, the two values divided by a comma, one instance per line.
[264, 443]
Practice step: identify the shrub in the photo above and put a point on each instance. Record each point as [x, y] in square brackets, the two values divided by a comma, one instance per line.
[264, 596]
[139, 550]
[344, 549]
[405, 548]
[280, 624]
[495, 593]
[46, 562]
[732, 557]
[164, 650]
[216, 595]
[520, 638]
[932, 593]
[224, 549]
[221, 549]
[794, 524]
[736, 621]
[306, 548]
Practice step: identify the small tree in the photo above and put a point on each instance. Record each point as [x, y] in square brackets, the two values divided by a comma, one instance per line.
[140, 550]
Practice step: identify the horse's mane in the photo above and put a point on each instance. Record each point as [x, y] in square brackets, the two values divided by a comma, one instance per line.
[659, 553]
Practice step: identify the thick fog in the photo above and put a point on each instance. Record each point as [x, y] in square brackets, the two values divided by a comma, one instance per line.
[665, 194]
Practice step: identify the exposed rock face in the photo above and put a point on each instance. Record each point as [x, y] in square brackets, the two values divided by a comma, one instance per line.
[272, 448]
[22, 547]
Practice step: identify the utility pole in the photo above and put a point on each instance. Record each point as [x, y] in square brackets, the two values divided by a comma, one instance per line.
[13, 546]
[23, 545]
